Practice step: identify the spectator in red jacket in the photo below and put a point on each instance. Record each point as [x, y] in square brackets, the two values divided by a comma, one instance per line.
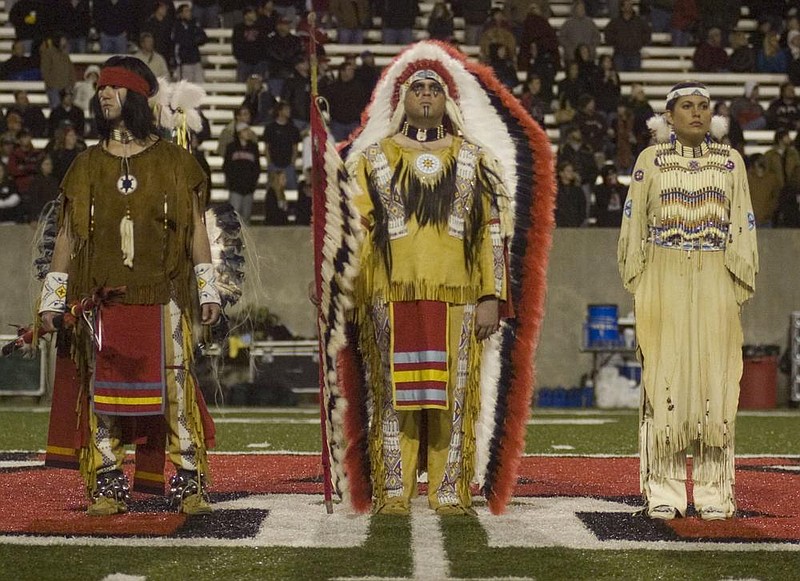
[537, 29]
[24, 162]
[684, 23]
[746, 110]
[709, 56]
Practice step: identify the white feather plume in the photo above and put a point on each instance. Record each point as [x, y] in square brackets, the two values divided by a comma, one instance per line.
[186, 96]
[485, 426]
[719, 127]
[659, 128]
[166, 117]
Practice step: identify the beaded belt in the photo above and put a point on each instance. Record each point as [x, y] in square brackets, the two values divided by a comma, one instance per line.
[703, 245]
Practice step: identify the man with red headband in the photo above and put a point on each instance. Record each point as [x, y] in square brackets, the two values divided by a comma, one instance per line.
[132, 220]
[435, 207]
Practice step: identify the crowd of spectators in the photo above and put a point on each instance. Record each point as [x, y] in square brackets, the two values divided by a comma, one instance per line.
[601, 124]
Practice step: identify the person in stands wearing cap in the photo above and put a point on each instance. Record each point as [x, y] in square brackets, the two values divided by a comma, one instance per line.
[424, 189]
[347, 99]
[284, 49]
[131, 217]
[249, 43]
[66, 112]
[687, 251]
[368, 73]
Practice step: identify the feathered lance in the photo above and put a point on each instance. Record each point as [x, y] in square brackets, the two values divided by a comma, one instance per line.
[318, 138]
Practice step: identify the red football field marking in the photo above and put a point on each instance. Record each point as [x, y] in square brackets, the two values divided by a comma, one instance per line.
[55, 501]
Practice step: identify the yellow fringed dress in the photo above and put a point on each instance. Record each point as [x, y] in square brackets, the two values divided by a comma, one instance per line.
[687, 251]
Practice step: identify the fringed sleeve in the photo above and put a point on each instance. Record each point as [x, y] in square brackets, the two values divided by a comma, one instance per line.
[491, 254]
[631, 257]
[362, 199]
[490, 170]
[741, 252]
[359, 173]
[75, 191]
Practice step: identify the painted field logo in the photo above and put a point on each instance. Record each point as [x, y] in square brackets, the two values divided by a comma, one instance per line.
[274, 500]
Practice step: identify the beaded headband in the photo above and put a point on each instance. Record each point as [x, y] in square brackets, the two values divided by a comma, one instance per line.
[695, 90]
[425, 74]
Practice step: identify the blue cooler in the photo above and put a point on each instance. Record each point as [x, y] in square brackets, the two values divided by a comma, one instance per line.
[602, 327]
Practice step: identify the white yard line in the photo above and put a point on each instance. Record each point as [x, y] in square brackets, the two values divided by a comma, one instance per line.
[20, 463]
[427, 543]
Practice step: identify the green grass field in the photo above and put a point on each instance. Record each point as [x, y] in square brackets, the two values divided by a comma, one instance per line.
[391, 546]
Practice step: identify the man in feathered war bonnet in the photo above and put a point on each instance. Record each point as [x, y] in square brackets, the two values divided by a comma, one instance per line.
[131, 216]
[435, 203]
[687, 252]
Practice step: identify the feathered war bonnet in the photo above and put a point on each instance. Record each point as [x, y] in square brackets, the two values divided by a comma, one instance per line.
[469, 108]
[518, 153]
[661, 129]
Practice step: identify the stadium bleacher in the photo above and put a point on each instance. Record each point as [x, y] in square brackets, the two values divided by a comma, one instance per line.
[662, 66]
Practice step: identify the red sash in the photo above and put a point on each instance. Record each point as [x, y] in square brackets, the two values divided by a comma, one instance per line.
[420, 370]
[130, 375]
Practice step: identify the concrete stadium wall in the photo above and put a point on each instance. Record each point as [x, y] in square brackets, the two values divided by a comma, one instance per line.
[583, 270]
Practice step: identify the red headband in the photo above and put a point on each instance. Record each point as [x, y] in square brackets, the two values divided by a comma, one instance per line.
[122, 77]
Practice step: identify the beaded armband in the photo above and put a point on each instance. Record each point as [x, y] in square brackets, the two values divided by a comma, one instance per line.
[54, 292]
[207, 283]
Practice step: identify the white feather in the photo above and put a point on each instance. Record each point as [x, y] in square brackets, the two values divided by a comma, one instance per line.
[193, 120]
[659, 128]
[484, 428]
[719, 127]
[186, 95]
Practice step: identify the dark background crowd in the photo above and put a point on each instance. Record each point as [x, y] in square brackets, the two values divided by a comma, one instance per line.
[557, 74]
